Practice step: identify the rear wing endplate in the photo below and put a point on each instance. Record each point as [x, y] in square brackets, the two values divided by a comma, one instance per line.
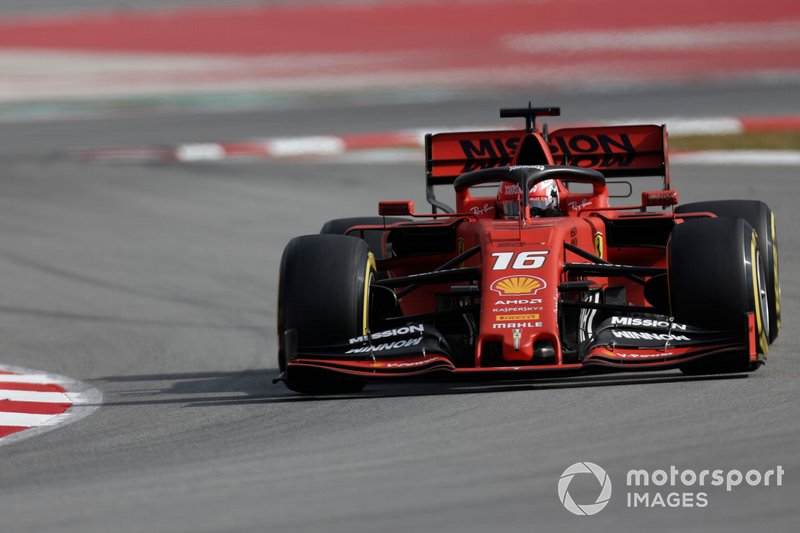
[448, 155]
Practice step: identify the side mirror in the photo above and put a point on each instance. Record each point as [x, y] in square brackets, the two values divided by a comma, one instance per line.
[395, 208]
[663, 198]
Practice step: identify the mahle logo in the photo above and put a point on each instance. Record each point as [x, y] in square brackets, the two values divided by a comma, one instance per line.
[585, 509]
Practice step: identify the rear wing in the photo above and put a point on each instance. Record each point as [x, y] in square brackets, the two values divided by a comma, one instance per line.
[448, 155]
[616, 151]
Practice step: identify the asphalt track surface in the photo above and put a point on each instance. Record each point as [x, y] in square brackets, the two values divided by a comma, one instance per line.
[156, 284]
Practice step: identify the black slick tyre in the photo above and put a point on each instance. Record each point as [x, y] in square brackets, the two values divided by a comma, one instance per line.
[716, 276]
[323, 298]
[761, 217]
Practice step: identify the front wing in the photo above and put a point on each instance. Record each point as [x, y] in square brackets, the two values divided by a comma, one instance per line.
[618, 344]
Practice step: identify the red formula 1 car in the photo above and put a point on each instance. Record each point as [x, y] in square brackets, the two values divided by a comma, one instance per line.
[533, 272]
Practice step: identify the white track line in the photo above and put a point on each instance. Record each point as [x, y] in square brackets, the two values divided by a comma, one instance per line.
[718, 158]
[739, 157]
[682, 126]
[660, 39]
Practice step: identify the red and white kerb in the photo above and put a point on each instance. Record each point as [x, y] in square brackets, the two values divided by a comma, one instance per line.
[34, 400]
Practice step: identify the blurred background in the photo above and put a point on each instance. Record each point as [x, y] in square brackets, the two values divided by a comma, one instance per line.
[103, 54]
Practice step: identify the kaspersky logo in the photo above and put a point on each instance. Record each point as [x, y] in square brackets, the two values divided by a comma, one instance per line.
[584, 468]
[518, 285]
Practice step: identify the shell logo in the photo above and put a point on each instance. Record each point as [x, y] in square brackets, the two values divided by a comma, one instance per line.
[518, 285]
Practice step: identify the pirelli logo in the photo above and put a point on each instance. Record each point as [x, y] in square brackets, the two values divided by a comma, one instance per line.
[508, 318]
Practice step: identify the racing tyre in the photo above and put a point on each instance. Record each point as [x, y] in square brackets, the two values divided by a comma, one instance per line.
[716, 276]
[339, 226]
[761, 217]
[323, 297]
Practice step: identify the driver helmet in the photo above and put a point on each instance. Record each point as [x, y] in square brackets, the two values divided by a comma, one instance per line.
[543, 196]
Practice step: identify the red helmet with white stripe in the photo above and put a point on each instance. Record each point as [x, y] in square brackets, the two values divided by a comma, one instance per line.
[542, 196]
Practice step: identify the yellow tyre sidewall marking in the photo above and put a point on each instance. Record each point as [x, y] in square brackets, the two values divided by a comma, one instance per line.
[776, 279]
[371, 267]
[762, 336]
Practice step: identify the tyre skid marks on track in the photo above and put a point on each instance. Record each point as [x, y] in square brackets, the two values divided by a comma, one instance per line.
[33, 402]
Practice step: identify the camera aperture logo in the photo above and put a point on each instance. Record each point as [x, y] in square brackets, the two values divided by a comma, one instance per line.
[663, 488]
[590, 508]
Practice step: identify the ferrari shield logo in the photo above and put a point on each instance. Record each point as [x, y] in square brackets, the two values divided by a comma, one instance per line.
[598, 245]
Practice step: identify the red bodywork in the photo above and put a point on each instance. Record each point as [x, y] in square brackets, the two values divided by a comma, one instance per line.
[522, 292]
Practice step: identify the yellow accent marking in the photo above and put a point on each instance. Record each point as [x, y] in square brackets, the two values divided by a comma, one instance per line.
[776, 279]
[371, 267]
[762, 336]
[598, 245]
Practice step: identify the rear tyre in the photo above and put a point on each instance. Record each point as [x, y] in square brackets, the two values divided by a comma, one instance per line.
[715, 277]
[323, 297]
[339, 226]
[761, 217]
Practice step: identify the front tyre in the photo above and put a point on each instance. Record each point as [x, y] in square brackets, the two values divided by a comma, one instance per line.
[761, 217]
[715, 277]
[323, 297]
